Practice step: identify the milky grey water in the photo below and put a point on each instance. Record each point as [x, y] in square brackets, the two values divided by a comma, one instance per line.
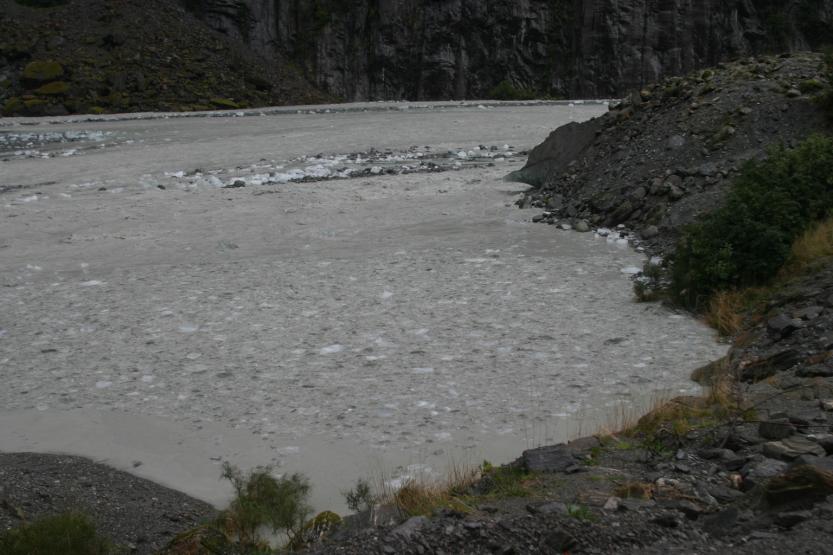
[344, 328]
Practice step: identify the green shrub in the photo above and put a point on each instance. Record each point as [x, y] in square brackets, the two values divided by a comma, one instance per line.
[361, 498]
[507, 91]
[262, 501]
[67, 534]
[746, 242]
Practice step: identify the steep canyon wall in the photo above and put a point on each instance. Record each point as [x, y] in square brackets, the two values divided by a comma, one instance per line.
[443, 49]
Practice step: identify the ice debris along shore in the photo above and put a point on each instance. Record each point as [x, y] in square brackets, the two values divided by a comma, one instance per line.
[321, 167]
[47, 144]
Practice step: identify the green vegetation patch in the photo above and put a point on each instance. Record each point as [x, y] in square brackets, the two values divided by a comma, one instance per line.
[225, 103]
[43, 71]
[55, 88]
[504, 481]
[67, 534]
[749, 239]
[13, 106]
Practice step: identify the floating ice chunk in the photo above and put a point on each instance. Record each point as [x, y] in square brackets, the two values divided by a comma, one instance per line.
[103, 385]
[375, 170]
[3, 332]
[31, 198]
[423, 370]
[147, 379]
[91, 283]
[462, 155]
[631, 270]
[332, 349]
[426, 405]
[443, 436]
[177, 175]
[189, 328]
[387, 295]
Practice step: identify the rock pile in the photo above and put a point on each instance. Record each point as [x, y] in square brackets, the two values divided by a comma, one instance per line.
[666, 154]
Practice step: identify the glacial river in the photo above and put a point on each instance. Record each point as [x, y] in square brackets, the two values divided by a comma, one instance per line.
[345, 291]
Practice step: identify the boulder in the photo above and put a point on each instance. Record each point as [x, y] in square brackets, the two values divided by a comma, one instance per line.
[769, 366]
[553, 458]
[791, 448]
[802, 485]
[776, 429]
[554, 155]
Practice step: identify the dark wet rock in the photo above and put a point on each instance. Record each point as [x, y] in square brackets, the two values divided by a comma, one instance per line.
[722, 523]
[776, 429]
[554, 458]
[758, 472]
[770, 365]
[548, 508]
[815, 371]
[790, 519]
[824, 440]
[559, 541]
[650, 232]
[562, 147]
[808, 313]
[790, 448]
[410, 527]
[801, 485]
[782, 325]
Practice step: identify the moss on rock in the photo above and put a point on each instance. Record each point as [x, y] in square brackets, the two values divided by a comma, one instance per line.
[225, 103]
[55, 88]
[14, 106]
[42, 71]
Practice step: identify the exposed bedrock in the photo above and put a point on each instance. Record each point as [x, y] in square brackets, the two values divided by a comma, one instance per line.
[441, 49]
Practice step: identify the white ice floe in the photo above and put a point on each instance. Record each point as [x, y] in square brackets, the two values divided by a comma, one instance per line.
[332, 349]
[188, 328]
[103, 384]
[631, 270]
[92, 283]
[423, 370]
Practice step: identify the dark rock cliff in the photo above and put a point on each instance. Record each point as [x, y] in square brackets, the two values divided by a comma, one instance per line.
[439, 49]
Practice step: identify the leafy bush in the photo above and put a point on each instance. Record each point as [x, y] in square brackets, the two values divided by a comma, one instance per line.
[746, 242]
[505, 90]
[67, 534]
[263, 501]
[361, 498]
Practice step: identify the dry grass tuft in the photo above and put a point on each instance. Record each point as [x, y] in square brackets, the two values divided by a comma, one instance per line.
[423, 496]
[721, 382]
[725, 312]
[814, 244]
[634, 490]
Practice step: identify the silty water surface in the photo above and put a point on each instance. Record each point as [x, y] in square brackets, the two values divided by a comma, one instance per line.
[344, 328]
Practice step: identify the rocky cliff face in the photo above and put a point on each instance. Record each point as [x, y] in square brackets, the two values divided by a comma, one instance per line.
[440, 49]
